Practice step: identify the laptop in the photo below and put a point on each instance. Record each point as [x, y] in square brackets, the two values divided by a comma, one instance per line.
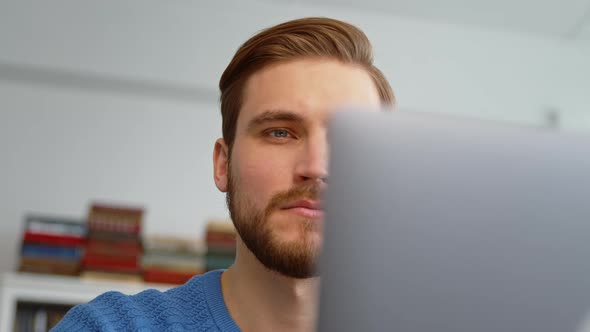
[443, 224]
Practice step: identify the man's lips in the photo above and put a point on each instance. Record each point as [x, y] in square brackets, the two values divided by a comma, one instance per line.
[306, 208]
[304, 203]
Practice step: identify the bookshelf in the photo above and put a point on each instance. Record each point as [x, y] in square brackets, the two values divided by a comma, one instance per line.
[18, 287]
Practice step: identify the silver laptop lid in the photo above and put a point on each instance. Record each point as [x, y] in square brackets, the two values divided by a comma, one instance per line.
[452, 225]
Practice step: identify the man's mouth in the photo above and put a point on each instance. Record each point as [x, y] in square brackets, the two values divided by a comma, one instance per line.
[311, 209]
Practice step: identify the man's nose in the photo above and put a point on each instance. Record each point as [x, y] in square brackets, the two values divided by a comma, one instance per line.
[312, 164]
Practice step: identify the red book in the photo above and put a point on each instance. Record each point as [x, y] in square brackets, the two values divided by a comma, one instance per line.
[53, 239]
[113, 248]
[166, 276]
[111, 263]
[220, 237]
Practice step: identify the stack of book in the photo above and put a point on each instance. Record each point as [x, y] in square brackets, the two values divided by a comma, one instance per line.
[172, 260]
[221, 245]
[52, 245]
[113, 250]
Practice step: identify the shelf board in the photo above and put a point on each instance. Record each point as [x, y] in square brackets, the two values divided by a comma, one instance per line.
[60, 285]
[52, 289]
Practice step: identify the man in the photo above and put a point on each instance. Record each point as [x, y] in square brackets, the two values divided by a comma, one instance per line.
[277, 94]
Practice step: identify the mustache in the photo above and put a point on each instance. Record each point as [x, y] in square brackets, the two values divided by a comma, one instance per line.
[310, 191]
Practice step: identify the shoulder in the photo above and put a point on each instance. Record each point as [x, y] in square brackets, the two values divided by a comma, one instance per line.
[178, 309]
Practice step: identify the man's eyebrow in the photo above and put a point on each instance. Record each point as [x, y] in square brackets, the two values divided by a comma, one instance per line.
[273, 116]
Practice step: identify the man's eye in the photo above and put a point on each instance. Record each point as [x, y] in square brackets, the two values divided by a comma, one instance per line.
[279, 133]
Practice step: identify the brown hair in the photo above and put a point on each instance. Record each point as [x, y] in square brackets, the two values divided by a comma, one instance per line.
[307, 37]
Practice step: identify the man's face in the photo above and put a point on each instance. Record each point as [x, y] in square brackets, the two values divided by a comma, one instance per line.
[279, 160]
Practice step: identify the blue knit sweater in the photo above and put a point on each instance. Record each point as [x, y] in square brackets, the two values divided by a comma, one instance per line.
[195, 306]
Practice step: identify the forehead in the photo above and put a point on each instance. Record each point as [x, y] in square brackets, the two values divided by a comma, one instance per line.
[313, 88]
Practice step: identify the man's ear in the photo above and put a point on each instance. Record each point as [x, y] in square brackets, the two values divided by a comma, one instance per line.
[220, 164]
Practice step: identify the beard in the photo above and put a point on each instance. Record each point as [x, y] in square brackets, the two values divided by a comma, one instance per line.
[295, 259]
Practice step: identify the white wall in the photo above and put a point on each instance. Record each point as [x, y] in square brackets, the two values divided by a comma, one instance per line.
[61, 146]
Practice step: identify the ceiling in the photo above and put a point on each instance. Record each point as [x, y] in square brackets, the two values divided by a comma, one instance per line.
[556, 18]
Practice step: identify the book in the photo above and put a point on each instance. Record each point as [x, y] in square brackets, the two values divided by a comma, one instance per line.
[117, 219]
[215, 262]
[40, 320]
[221, 226]
[54, 226]
[24, 320]
[221, 244]
[220, 237]
[32, 317]
[55, 315]
[128, 264]
[113, 236]
[196, 262]
[32, 250]
[194, 269]
[222, 250]
[53, 239]
[160, 243]
[113, 247]
[47, 265]
[169, 276]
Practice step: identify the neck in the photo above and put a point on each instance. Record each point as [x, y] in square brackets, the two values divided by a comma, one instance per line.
[262, 300]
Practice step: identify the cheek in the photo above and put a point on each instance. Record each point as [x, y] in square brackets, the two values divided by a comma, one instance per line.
[259, 177]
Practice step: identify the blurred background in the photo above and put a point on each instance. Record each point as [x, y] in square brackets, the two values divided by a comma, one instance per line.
[117, 101]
